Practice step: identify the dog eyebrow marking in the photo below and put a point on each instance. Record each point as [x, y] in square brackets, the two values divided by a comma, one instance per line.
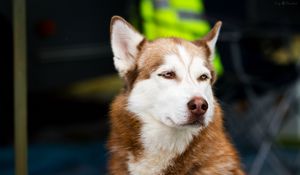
[189, 71]
[187, 60]
[183, 55]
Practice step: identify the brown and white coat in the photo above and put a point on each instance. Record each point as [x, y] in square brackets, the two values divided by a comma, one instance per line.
[154, 129]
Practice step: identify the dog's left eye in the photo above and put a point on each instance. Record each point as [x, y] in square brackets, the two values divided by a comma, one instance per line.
[203, 77]
[168, 74]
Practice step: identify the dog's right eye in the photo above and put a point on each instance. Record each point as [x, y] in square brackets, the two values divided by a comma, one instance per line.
[168, 75]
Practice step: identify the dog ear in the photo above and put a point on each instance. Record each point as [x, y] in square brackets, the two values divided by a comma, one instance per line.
[125, 41]
[211, 38]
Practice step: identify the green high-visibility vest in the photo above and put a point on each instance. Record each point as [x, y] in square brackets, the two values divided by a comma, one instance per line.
[176, 18]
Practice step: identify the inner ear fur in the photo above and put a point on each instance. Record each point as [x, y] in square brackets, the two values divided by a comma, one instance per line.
[126, 43]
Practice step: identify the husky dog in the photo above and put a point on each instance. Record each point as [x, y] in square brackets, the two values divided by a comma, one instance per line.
[166, 120]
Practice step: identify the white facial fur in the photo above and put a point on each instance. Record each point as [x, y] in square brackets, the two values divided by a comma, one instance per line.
[161, 104]
[157, 98]
[165, 100]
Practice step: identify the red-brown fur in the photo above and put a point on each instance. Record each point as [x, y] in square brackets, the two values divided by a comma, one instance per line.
[210, 149]
[210, 152]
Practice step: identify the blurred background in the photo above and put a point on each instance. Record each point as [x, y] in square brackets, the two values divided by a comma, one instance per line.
[71, 79]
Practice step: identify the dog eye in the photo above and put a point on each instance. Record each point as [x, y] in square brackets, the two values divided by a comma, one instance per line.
[168, 75]
[203, 77]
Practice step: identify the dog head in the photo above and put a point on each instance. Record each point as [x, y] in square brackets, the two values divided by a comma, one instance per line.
[168, 80]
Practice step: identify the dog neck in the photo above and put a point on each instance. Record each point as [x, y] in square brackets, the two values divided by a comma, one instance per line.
[161, 145]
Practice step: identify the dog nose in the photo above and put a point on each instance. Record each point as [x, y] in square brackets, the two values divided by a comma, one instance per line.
[197, 106]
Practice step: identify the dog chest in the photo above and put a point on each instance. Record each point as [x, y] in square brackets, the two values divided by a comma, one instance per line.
[152, 163]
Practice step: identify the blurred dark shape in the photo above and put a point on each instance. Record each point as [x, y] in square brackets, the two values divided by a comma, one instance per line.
[264, 73]
[46, 28]
[280, 14]
[6, 79]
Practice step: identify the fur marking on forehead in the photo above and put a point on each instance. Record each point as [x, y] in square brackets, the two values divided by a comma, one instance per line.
[183, 55]
[187, 52]
[187, 55]
[168, 46]
[155, 53]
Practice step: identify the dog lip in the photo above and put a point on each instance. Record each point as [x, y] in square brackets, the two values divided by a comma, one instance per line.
[197, 122]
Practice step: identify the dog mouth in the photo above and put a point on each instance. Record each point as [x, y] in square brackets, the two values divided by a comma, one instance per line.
[190, 123]
[196, 123]
[193, 124]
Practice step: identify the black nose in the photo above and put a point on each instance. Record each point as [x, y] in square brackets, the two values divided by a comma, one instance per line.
[197, 106]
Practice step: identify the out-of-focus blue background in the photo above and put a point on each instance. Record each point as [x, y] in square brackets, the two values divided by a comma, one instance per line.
[71, 81]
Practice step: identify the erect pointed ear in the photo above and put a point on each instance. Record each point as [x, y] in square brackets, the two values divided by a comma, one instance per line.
[211, 38]
[125, 42]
